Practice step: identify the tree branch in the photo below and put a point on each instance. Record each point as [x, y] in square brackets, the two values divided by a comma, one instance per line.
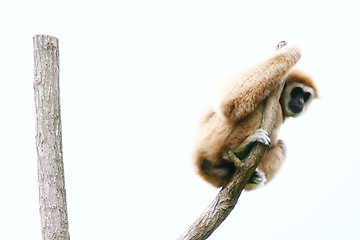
[227, 198]
[52, 195]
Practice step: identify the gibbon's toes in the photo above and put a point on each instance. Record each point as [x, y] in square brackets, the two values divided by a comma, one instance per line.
[258, 177]
[262, 137]
[257, 180]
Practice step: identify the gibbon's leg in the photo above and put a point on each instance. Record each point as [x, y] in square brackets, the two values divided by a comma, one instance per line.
[216, 175]
[247, 90]
[258, 178]
[220, 175]
[273, 160]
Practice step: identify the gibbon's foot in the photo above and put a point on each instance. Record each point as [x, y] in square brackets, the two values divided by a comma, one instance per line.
[256, 180]
[258, 177]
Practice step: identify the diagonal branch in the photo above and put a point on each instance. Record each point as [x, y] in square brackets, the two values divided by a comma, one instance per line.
[227, 198]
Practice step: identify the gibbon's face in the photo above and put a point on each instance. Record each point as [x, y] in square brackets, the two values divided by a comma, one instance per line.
[295, 97]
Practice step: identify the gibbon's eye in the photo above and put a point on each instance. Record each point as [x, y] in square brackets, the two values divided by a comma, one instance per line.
[296, 92]
[307, 95]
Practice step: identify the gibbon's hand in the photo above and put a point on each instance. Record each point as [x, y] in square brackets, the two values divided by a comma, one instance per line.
[260, 136]
[243, 150]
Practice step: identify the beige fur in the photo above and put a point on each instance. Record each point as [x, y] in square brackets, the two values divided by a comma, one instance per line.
[237, 115]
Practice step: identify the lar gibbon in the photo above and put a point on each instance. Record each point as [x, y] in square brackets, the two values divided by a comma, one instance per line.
[233, 123]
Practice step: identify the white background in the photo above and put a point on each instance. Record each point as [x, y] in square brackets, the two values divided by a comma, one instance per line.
[132, 74]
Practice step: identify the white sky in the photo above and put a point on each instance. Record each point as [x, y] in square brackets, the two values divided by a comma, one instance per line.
[132, 75]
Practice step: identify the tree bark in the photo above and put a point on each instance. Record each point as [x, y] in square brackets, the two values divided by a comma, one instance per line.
[52, 194]
[227, 198]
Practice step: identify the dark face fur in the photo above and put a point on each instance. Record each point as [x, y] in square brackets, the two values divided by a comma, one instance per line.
[298, 99]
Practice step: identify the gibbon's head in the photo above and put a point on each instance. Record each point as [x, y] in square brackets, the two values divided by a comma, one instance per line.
[298, 92]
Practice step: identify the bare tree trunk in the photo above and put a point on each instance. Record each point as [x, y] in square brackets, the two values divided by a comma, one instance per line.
[227, 198]
[52, 195]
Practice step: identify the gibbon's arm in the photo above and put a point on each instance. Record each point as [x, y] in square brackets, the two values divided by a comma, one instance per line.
[246, 91]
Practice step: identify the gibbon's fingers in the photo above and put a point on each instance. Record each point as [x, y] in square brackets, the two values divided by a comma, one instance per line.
[260, 136]
[281, 45]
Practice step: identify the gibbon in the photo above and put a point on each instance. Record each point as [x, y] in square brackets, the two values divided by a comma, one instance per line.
[233, 123]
